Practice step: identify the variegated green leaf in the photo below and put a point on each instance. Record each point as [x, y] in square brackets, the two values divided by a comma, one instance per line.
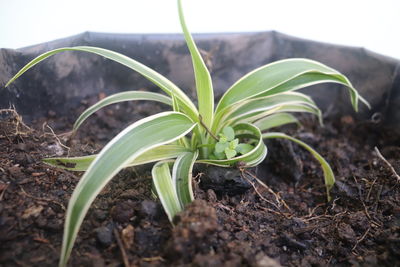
[282, 108]
[166, 85]
[205, 93]
[182, 177]
[329, 177]
[244, 148]
[121, 97]
[175, 103]
[135, 140]
[251, 107]
[165, 189]
[71, 163]
[275, 120]
[251, 118]
[153, 155]
[282, 76]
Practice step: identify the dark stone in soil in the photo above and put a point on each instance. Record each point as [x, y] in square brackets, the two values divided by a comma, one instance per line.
[346, 233]
[148, 239]
[100, 215]
[123, 211]
[224, 180]
[283, 160]
[149, 208]
[104, 235]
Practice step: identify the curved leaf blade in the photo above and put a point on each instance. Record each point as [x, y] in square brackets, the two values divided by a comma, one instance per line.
[329, 177]
[152, 131]
[260, 104]
[275, 120]
[289, 107]
[159, 153]
[205, 92]
[312, 78]
[166, 85]
[121, 97]
[166, 192]
[287, 74]
[182, 177]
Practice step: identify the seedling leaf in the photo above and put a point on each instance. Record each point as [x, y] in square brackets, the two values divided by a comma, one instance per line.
[230, 153]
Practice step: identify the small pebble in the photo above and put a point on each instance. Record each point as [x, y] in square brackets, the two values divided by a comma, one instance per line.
[122, 212]
[148, 208]
[104, 236]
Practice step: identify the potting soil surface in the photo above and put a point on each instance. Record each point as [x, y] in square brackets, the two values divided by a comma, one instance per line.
[286, 222]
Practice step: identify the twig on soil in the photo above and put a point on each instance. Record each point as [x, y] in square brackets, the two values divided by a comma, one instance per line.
[358, 186]
[311, 213]
[196, 181]
[122, 248]
[369, 216]
[325, 216]
[18, 118]
[340, 214]
[198, 176]
[311, 228]
[286, 215]
[361, 239]
[333, 205]
[388, 164]
[6, 136]
[56, 137]
[278, 198]
[4, 191]
[366, 210]
[378, 197]
[156, 258]
[222, 206]
[370, 189]
[306, 220]
[258, 193]
[329, 261]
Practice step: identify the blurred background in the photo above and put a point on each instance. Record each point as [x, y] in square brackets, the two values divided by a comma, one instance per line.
[370, 24]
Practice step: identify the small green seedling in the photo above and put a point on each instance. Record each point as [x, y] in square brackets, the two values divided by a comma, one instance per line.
[228, 146]
[229, 134]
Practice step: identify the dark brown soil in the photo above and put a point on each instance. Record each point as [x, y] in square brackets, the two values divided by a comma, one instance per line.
[288, 223]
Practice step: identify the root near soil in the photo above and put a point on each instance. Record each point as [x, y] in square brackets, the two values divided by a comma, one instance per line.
[283, 219]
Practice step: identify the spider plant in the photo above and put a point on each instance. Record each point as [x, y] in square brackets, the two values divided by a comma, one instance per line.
[230, 133]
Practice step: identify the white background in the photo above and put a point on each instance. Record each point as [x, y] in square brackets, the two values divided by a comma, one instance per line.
[374, 25]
